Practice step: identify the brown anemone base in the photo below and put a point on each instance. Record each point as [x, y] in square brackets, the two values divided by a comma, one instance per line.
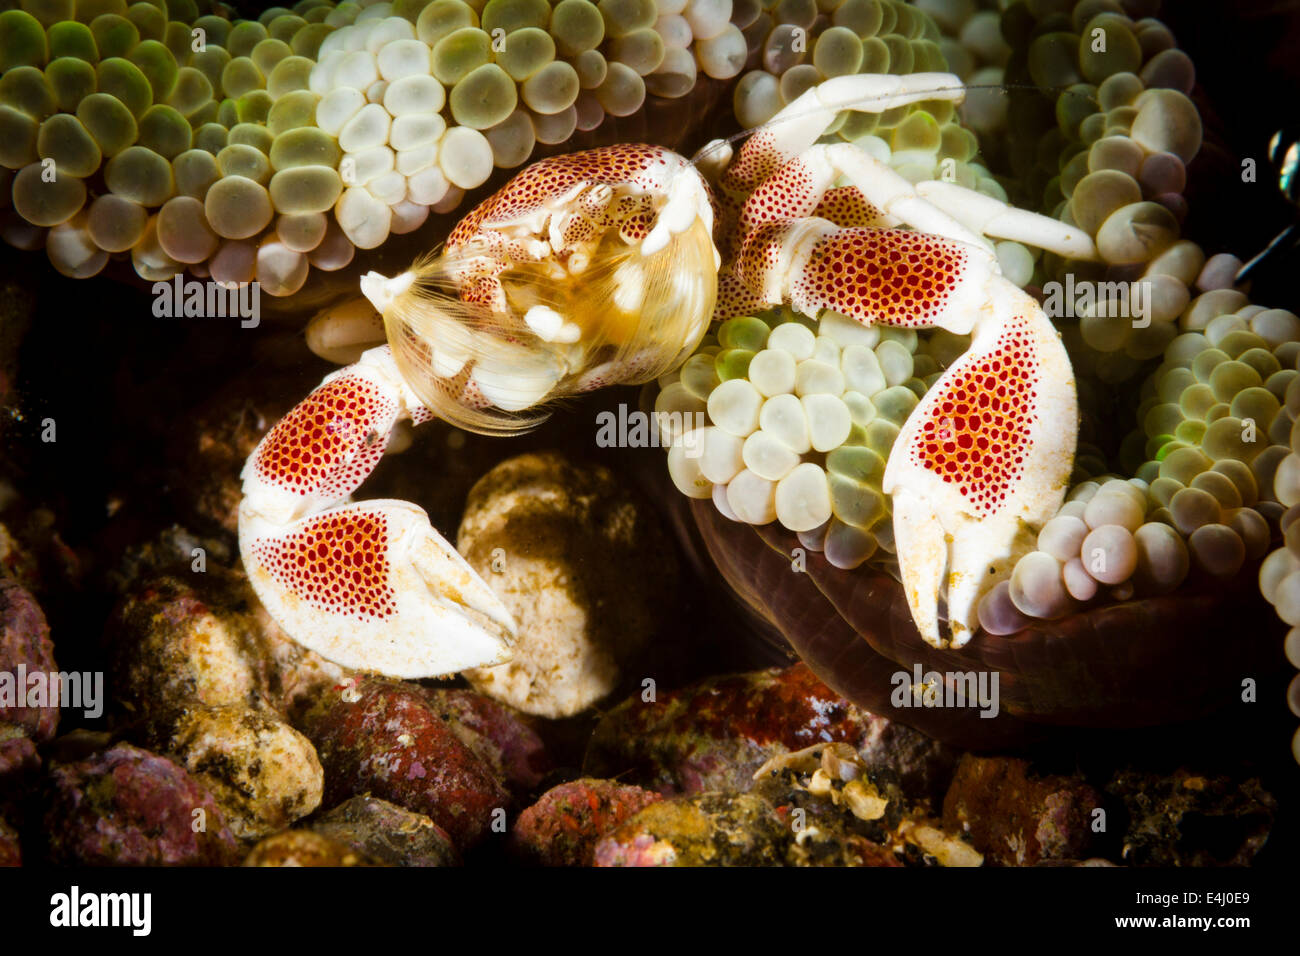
[1139, 663]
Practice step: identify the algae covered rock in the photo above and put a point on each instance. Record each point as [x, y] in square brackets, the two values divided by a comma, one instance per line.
[25, 647]
[709, 829]
[18, 757]
[129, 807]
[715, 734]
[304, 848]
[174, 646]
[11, 851]
[1019, 818]
[388, 834]
[262, 773]
[1192, 819]
[582, 565]
[181, 638]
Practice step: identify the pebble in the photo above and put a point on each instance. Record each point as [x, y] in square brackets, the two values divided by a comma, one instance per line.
[25, 642]
[386, 833]
[128, 807]
[1017, 817]
[298, 848]
[389, 739]
[563, 543]
[563, 827]
[263, 774]
[714, 734]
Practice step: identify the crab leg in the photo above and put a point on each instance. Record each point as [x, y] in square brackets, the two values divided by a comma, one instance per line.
[804, 187]
[988, 216]
[984, 458]
[784, 240]
[891, 276]
[369, 585]
[794, 130]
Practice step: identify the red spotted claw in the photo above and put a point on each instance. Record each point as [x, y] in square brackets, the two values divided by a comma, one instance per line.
[369, 585]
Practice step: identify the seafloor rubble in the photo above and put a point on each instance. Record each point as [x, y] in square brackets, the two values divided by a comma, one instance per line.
[694, 752]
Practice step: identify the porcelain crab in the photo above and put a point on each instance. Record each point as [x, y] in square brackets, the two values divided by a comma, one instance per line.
[608, 266]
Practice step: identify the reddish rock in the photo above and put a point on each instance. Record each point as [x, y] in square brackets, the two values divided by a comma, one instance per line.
[713, 735]
[24, 644]
[388, 738]
[563, 827]
[499, 734]
[1017, 818]
[128, 807]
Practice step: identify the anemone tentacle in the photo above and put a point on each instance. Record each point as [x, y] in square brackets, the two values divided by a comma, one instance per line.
[1208, 476]
[262, 149]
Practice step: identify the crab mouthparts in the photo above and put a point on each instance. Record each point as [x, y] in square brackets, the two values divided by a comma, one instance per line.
[381, 290]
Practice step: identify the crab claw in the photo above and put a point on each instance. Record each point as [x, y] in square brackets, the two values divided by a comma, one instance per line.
[371, 585]
[982, 462]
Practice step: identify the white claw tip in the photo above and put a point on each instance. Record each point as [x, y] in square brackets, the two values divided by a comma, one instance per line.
[960, 634]
[381, 291]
